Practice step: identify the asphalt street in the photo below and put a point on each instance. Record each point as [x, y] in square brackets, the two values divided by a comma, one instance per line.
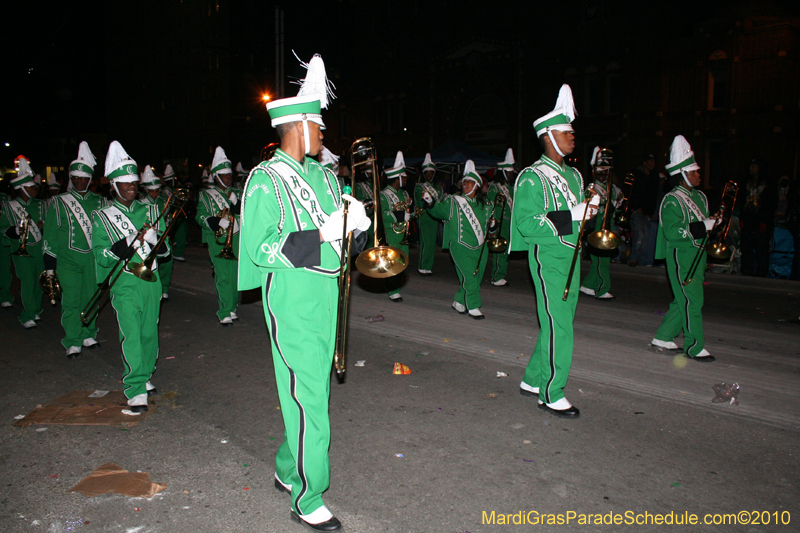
[440, 449]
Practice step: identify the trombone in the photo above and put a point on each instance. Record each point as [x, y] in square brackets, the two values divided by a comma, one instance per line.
[604, 239]
[380, 261]
[622, 218]
[50, 286]
[141, 270]
[577, 248]
[227, 234]
[717, 249]
[496, 244]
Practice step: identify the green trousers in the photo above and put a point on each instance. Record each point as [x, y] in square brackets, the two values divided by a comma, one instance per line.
[180, 237]
[551, 360]
[392, 284]
[76, 274]
[428, 229]
[225, 277]
[300, 310]
[136, 303]
[685, 311]
[28, 270]
[5, 274]
[499, 266]
[165, 273]
[469, 283]
[599, 278]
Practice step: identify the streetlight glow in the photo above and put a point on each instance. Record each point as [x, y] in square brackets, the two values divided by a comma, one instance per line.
[266, 97]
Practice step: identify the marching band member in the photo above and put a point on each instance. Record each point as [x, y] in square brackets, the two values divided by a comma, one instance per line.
[53, 189]
[154, 196]
[395, 208]
[466, 216]
[329, 161]
[597, 282]
[365, 194]
[503, 184]
[241, 175]
[180, 234]
[6, 298]
[683, 224]
[26, 207]
[135, 301]
[210, 205]
[428, 226]
[292, 225]
[68, 251]
[548, 208]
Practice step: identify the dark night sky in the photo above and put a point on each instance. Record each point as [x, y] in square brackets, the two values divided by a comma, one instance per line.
[67, 44]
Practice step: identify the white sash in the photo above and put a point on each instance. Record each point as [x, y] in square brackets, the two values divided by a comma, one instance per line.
[471, 218]
[689, 203]
[304, 194]
[559, 183]
[367, 189]
[504, 191]
[218, 198]
[391, 197]
[125, 227]
[84, 222]
[430, 189]
[34, 235]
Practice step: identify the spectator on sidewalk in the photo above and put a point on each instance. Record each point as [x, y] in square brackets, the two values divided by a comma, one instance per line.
[644, 204]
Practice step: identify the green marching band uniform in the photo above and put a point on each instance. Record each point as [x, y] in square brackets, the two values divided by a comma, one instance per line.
[597, 282]
[291, 235]
[392, 218]
[544, 223]
[150, 182]
[683, 224]
[503, 184]
[15, 212]
[135, 301]
[211, 202]
[6, 298]
[428, 226]
[68, 252]
[465, 235]
[180, 235]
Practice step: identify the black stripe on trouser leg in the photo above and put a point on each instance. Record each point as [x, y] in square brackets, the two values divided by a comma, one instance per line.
[128, 368]
[299, 463]
[686, 323]
[552, 340]
[463, 279]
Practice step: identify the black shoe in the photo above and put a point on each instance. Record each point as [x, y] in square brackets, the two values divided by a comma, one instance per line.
[137, 409]
[73, 355]
[706, 359]
[396, 300]
[152, 392]
[524, 392]
[281, 487]
[572, 412]
[331, 524]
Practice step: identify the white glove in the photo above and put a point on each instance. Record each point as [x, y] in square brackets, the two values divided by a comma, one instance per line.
[151, 236]
[710, 223]
[578, 210]
[357, 218]
[235, 226]
[50, 273]
[136, 243]
[224, 223]
[333, 228]
[233, 198]
[406, 216]
[426, 196]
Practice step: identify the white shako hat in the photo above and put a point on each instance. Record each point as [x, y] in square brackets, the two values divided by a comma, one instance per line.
[52, 182]
[399, 168]
[681, 157]
[307, 106]
[428, 164]
[328, 160]
[204, 177]
[169, 173]
[508, 162]
[221, 164]
[601, 158]
[559, 119]
[120, 168]
[471, 174]
[83, 166]
[240, 171]
[24, 175]
[37, 179]
[149, 179]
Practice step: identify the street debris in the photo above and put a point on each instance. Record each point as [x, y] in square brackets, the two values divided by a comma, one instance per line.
[502, 375]
[109, 477]
[401, 369]
[361, 362]
[399, 455]
[375, 318]
[725, 393]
